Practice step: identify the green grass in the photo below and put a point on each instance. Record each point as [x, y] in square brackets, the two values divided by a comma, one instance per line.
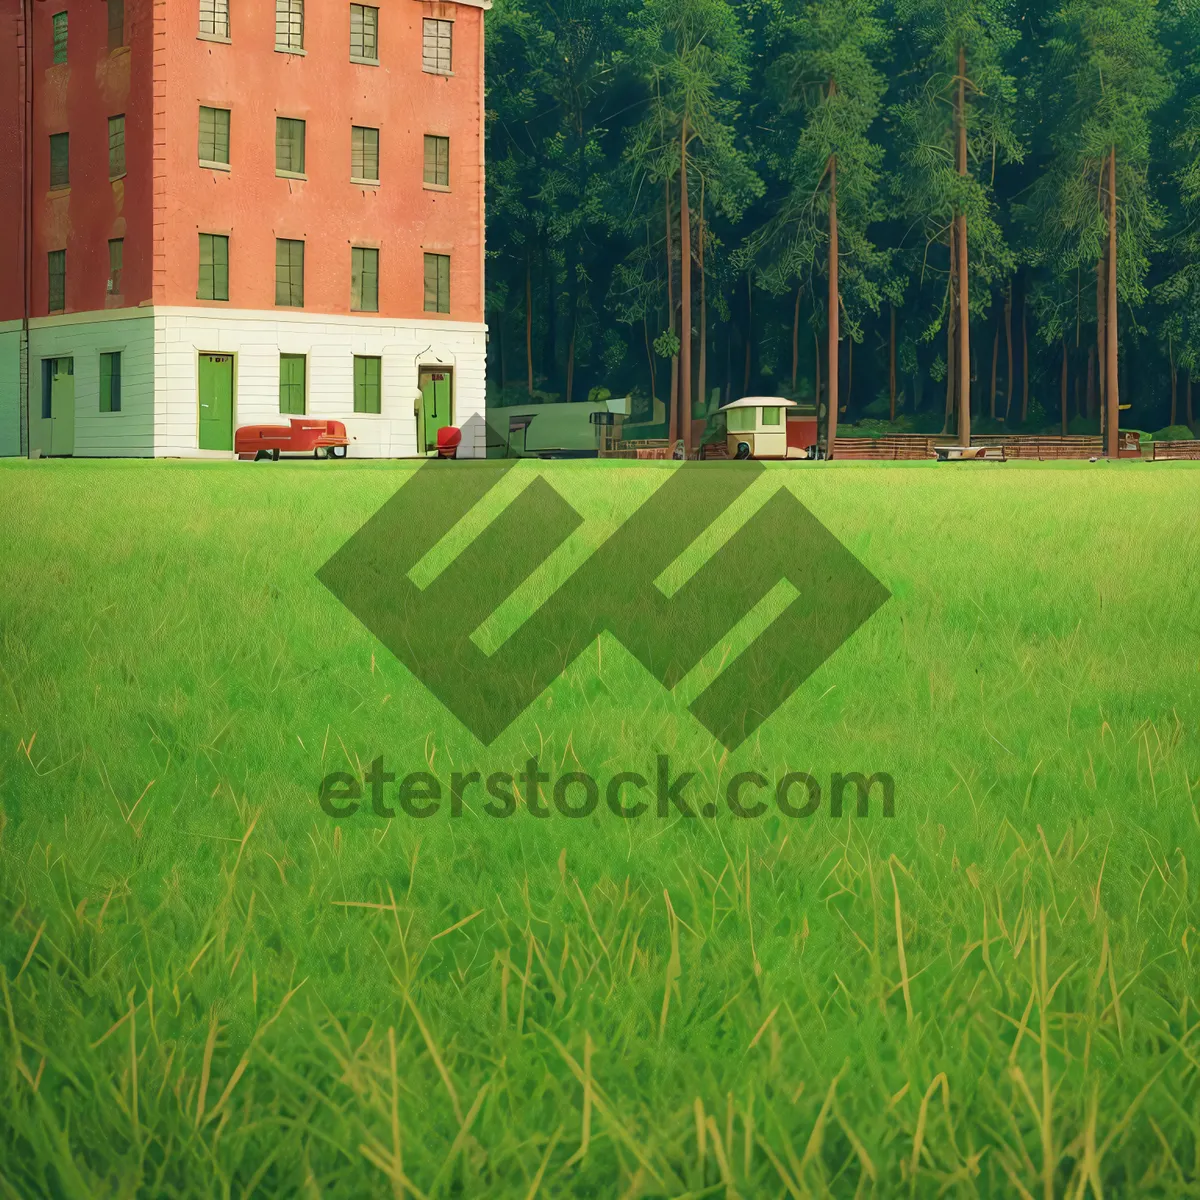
[211, 988]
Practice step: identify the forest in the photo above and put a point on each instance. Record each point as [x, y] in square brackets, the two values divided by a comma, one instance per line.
[951, 215]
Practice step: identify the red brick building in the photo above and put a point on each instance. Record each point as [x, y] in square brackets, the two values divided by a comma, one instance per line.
[229, 210]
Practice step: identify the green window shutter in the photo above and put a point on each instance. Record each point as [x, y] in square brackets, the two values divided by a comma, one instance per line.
[60, 37]
[364, 32]
[116, 146]
[364, 279]
[214, 267]
[116, 24]
[110, 382]
[364, 153]
[289, 273]
[56, 262]
[368, 392]
[437, 160]
[60, 160]
[437, 283]
[291, 384]
[214, 135]
[770, 416]
[116, 262]
[289, 145]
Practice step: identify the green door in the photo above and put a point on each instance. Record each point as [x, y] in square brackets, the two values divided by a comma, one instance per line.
[437, 406]
[216, 402]
[55, 432]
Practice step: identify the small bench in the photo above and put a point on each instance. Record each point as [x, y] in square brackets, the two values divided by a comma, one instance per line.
[970, 453]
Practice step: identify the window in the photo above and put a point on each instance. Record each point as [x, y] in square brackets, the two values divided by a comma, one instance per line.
[214, 18]
[214, 267]
[437, 283]
[291, 384]
[116, 263]
[60, 160]
[437, 160]
[364, 33]
[116, 24]
[57, 265]
[116, 146]
[364, 155]
[770, 416]
[435, 55]
[739, 420]
[289, 273]
[60, 37]
[367, 390]
[364, 279]
[289, 24]
[110, 382]
[289, 145]
[214, 135]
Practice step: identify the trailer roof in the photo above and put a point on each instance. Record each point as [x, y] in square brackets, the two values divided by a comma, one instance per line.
[759, 402]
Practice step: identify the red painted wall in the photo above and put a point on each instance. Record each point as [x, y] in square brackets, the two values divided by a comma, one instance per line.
[78, 97]
[166, 199]
[331, 94]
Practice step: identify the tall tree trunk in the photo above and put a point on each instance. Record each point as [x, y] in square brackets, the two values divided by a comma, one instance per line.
[1102, 336]
[685, 297]
[1114, 390]
[833, 314]
[1064, 385]
[1174, 380]
[1008, 342]
[795, 341]
[672, 406]
[703, 372]
[951, 331]
[964, 307]
[528, 323]
[1090, 402]
[892, 368]
[995, 362]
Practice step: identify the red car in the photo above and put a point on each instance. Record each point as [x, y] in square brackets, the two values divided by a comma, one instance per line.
[303, 435]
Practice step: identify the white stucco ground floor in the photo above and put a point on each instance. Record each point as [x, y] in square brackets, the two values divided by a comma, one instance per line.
[177, 382]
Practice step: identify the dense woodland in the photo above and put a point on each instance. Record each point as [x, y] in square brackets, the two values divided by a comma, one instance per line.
[951, 214]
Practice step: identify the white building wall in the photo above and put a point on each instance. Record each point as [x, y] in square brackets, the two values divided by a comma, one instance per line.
[84, 337]
[256, 339]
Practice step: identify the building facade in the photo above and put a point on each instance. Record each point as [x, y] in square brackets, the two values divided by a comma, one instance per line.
[236, 211]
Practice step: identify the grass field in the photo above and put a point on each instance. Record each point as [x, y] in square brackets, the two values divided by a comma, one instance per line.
[211, 988]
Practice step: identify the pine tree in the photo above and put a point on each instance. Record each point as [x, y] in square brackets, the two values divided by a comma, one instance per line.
[1113, 72]
[959, 116]
[693, 54]
[827, 72]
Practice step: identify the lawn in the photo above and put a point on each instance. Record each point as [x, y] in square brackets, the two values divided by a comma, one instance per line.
[212, 987]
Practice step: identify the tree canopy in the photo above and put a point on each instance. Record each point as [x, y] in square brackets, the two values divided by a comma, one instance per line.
[662, 175]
